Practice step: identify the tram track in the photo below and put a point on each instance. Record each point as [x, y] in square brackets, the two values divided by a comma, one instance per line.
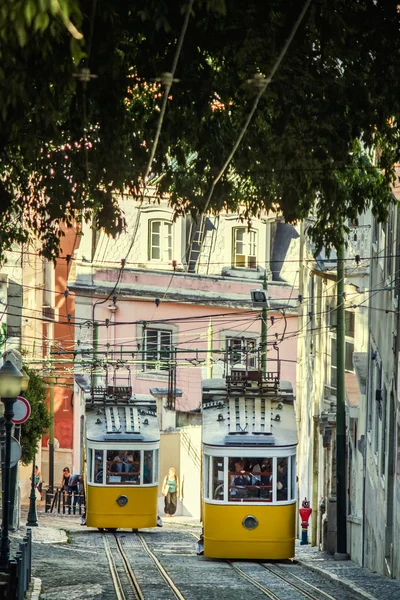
[288, 578]
[264, 590]
[116, 554]
[120, 589]
[294, 582]
[178, 595]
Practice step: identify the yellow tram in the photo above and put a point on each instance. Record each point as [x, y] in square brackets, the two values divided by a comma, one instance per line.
[249, 467]
[122, 462]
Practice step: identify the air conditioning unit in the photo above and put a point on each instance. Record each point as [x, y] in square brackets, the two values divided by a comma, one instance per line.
[50, 313]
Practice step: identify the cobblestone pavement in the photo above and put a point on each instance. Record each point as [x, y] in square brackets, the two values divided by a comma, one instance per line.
[72, 564]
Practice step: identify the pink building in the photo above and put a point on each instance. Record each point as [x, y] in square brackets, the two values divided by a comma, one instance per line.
[145, 302]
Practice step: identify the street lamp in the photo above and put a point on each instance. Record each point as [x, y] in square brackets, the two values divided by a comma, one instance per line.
[10, 386]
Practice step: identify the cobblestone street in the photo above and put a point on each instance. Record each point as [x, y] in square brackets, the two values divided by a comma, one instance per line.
[73, 562]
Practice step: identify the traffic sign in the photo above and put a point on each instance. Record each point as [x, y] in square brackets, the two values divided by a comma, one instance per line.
[15, 452]
[22, 411]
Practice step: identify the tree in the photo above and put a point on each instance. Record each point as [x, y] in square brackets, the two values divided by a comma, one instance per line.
[70, 144]
[39, 421]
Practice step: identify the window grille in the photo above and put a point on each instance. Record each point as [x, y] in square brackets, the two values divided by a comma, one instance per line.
[157, 349]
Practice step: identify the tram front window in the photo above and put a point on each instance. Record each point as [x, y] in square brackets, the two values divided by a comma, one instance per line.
[217, 478]
[250, 480]
[123, 466]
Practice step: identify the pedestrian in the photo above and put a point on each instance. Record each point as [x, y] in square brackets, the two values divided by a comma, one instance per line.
[65, 479]
[170, 490]
[75, 492]
[38, 481]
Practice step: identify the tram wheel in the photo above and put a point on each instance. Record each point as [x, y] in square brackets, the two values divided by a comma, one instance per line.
[134, 530]
[111, 529]
[100, 529]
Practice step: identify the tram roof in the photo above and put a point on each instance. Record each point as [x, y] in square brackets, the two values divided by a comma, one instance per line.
[247, 417]
[132, 421]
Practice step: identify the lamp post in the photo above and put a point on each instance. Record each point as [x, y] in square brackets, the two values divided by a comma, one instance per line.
[32, 514]
[10, 387]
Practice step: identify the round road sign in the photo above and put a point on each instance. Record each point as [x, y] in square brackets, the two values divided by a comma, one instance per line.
[22, 411]
[15, 452]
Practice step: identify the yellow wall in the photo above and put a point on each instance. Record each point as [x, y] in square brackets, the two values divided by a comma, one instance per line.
[182, 449]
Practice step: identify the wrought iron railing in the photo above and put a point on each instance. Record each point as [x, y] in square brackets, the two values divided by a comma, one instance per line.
[15, 580]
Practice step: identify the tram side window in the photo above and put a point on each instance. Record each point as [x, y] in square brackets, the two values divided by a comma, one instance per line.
[217, 478]
[123, 466]
[156, 467]
[206, 477]
[148, 476]
[98, 466]
[89, 464]
[250, 479]
[282, 491]
[293, 490]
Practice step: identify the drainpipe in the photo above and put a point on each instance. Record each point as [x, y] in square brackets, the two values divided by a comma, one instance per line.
[264, 317]
[49, 281]
[210, 351]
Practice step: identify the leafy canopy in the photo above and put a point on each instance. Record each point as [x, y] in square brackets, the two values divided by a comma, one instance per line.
[39, 421]
[67, 147]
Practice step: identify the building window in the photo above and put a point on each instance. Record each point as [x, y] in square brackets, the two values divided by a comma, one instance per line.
[160, 241]
[244, 248]
[240, 349]
[349, 320]
[157, 349]
[348, 364]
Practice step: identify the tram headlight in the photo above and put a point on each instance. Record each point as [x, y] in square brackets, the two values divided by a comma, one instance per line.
[122, 500]
[250, 522]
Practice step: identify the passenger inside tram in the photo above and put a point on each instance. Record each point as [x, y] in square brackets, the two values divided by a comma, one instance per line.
[123, 466]
[250, 480]
[282, 479]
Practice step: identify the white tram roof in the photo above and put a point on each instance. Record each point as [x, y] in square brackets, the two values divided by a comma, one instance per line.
[248, 417]
[132, 420]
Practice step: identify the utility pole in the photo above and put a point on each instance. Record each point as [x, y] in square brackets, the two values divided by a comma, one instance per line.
[95, 349]
[210, 351]
[51, 430]
[264, 317]
[341, 517]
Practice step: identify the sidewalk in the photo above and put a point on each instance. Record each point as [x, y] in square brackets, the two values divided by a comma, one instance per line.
[357, 580]
[50, 531]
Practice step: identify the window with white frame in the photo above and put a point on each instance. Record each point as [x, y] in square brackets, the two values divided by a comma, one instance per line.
[241, 350]
[160, 241]
[157, 349]
[244, 248]
[349, 346]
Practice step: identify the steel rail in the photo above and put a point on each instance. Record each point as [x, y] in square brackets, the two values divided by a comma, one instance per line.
[113, 570]
[254, 582]
[161, 569]
[287, 579]
[129, 571]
